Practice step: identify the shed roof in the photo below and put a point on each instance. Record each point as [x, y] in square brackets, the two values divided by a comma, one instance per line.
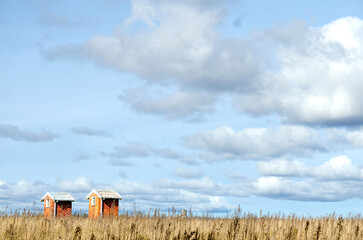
[58, 196]
[110, 194]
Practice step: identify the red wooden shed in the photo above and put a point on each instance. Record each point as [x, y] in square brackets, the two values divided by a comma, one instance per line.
[57, 204]
[103, 203]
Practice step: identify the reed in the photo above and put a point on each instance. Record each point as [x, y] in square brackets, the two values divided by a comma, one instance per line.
[155, 225]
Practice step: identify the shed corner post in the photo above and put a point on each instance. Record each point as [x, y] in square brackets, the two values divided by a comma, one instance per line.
[101, 208]
[55, 208]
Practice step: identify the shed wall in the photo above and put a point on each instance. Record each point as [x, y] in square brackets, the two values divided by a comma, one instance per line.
[110, 207]
[64, 208]
[94, 211]
[48, 211]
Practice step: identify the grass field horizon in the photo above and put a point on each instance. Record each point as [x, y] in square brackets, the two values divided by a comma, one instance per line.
[173, 225]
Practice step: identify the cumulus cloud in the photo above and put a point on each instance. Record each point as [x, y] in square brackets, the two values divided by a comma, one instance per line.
[139, 9]
[334, 180]
[234, 175]
[255, 143]
[337, 179]
[16, 134]
[355, 138]
[20, 194]
[146, 195]
[91, 132]
[282, 167]
[143, 150]
[190, 106]
[187, 173]
[164, 195]
[306, 190]
[25, 193]
[336, 168]
[179, 45]
[273, 186]
[22, 189]
[80, 184]
[318, 80]
[133, 149]
[205, 186]
[306, 75]
[352, 138]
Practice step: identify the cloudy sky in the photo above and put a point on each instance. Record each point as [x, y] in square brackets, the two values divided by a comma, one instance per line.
[202, 104]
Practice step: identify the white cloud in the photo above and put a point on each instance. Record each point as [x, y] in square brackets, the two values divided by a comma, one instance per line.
[3, 184]
[355, 138]
[342, 139]
[282, 167]
[80, 184]
[336, 168]
[352, 138]
[91, 132]
[235, 175]
[20, 191]
[255, 143]
[163, 194]
[190, 106]
[79, 156]
[205, 186]
[307, 190]
[14, 133]
[318, 80]
[23, 194]
[339, 168]
[179, 45]
[305, 75]
[120, 162]
[133, 149]
[335, 180]
[272, 185]
[187, 173]
[142, 150]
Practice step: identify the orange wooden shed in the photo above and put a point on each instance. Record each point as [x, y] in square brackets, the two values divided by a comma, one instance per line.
[57, 204]
[103, 203]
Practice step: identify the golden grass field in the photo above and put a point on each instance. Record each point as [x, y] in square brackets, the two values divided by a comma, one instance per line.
[159, 226]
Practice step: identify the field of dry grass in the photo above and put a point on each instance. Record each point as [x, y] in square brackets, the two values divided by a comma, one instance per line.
[158, 226]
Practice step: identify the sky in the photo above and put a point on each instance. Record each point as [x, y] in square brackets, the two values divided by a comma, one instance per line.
[191, 104]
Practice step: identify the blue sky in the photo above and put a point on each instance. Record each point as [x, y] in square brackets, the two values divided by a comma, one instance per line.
[192, 104]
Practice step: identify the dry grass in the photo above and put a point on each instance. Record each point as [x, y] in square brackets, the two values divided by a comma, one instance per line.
[156, 226]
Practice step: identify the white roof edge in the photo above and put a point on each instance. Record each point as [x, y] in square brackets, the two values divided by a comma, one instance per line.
[52, 197]
[45, 196]
[119, 196]
[99, 195]
[93, 191]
